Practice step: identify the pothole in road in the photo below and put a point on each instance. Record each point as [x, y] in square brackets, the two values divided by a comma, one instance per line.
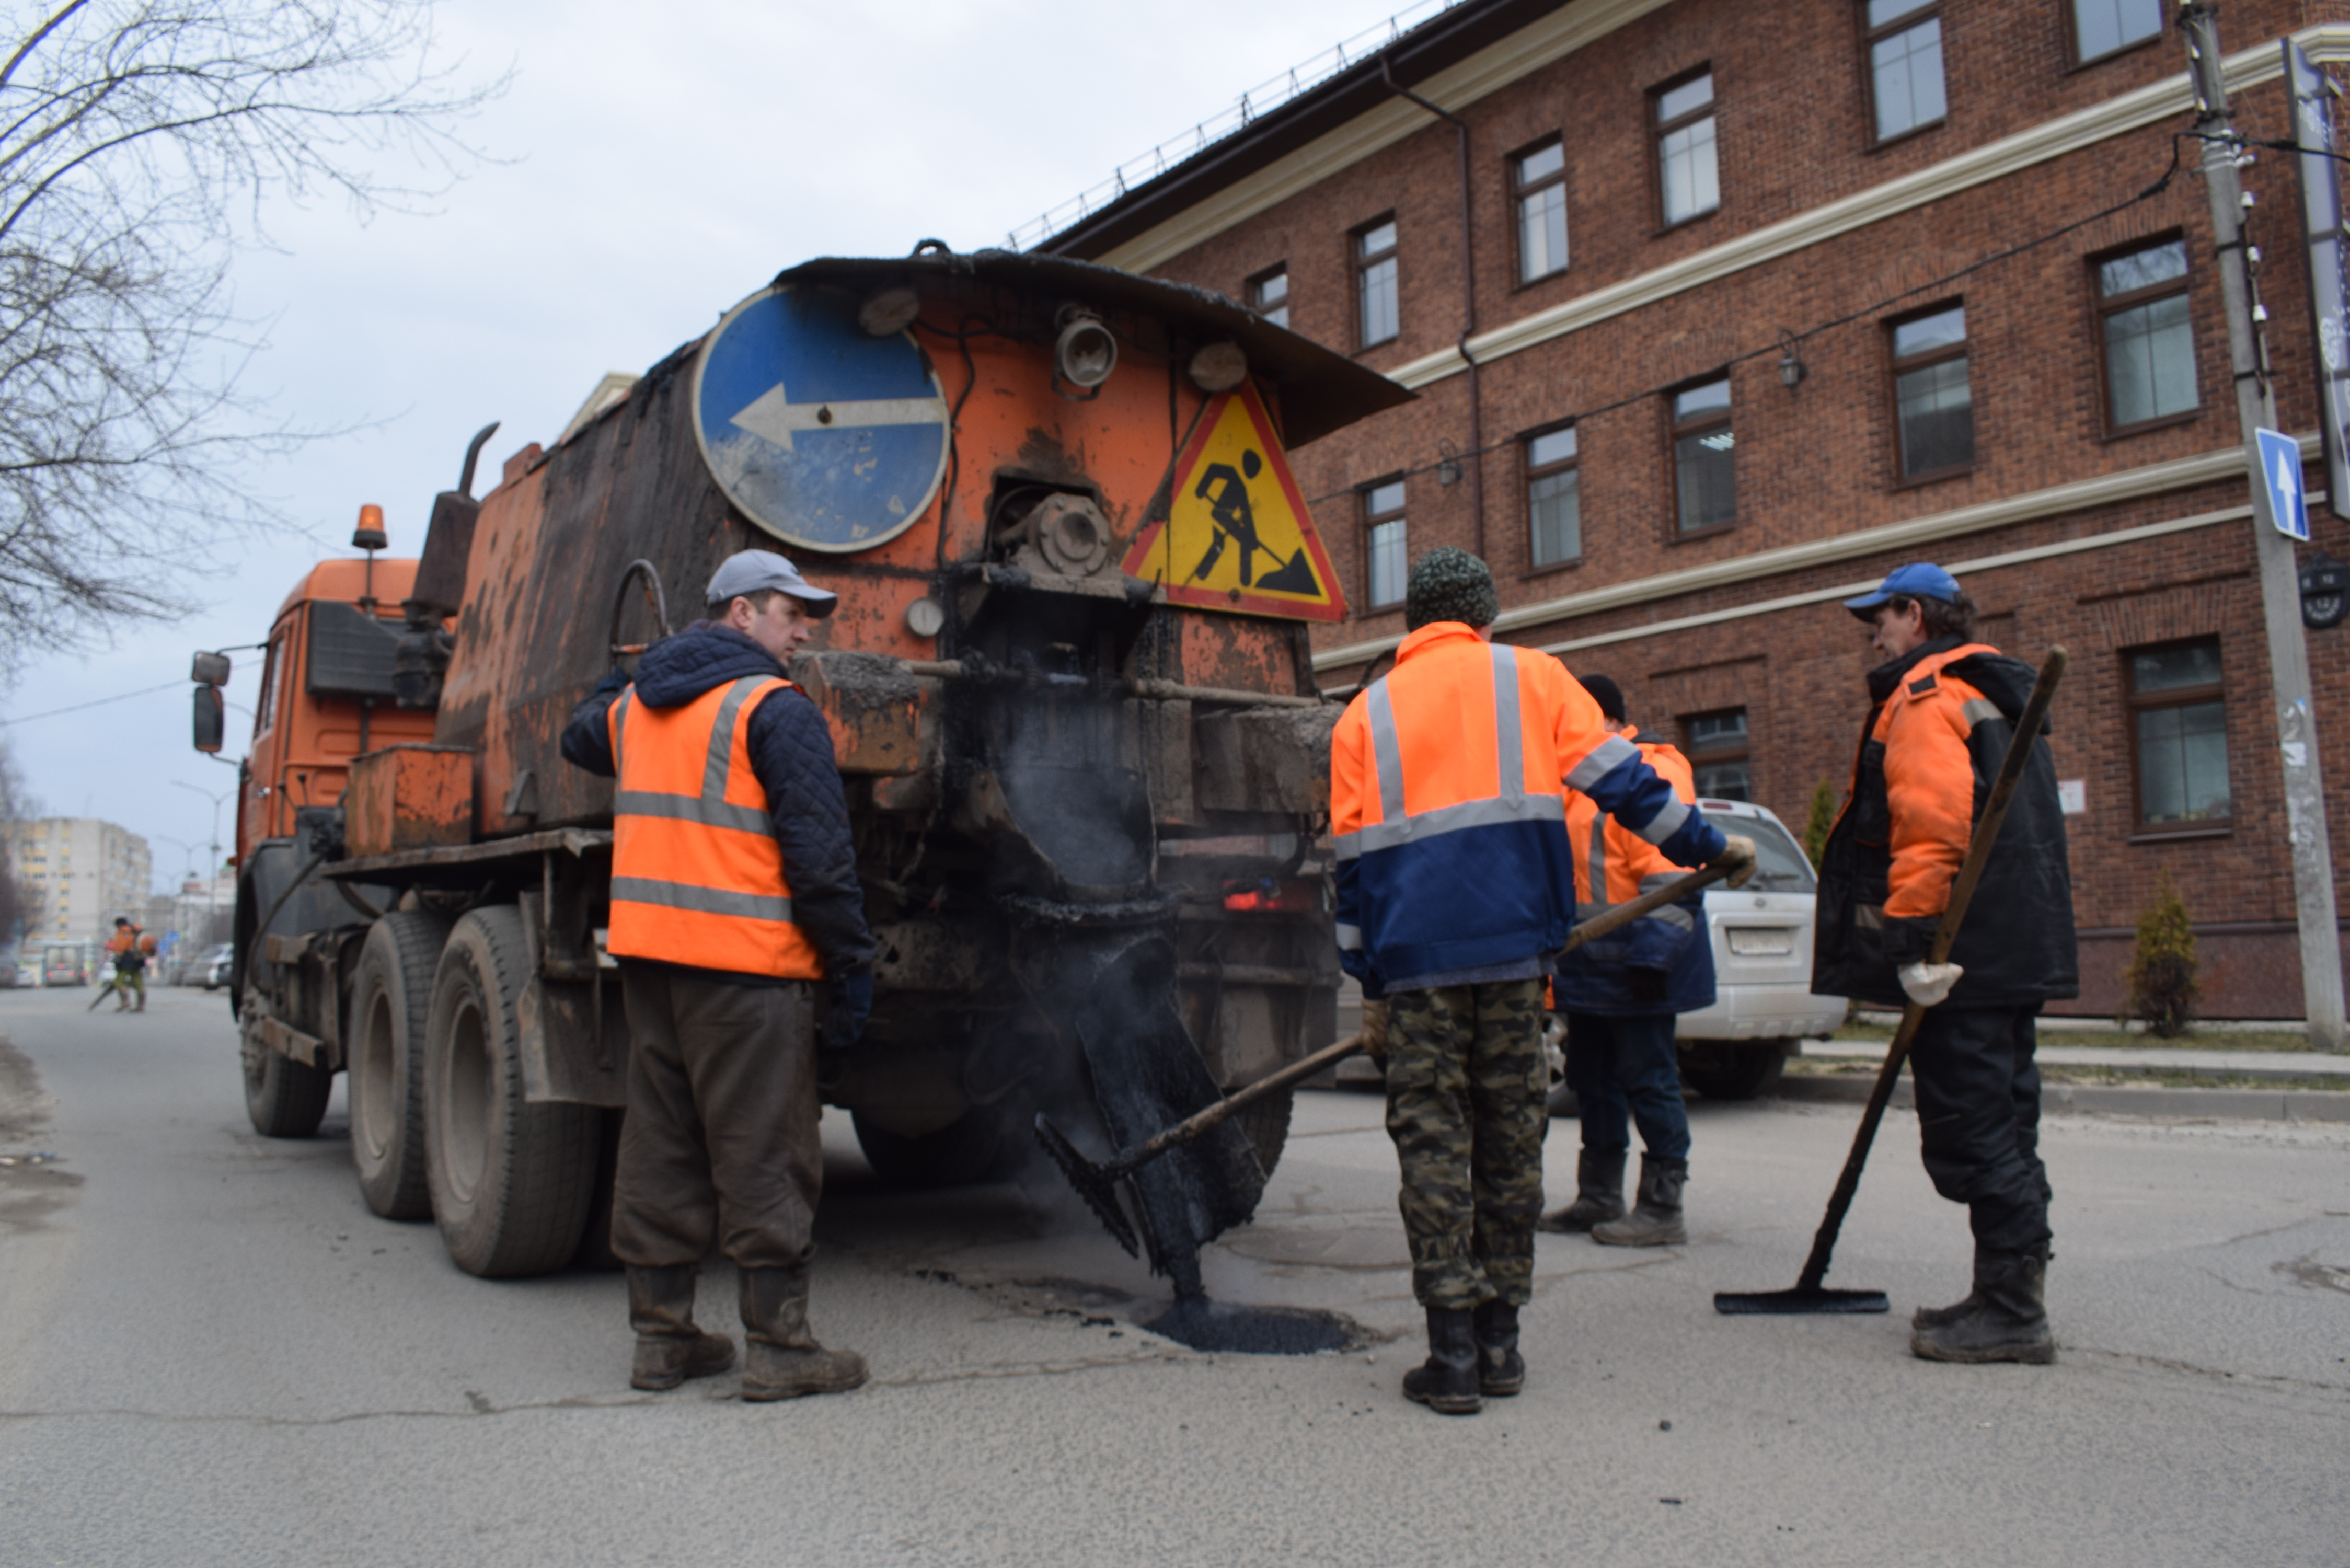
[1197, 1323]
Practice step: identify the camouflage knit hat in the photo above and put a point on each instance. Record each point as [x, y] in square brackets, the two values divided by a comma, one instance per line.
[1450, 585]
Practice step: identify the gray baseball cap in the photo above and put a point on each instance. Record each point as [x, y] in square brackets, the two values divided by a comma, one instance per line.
[751, 571]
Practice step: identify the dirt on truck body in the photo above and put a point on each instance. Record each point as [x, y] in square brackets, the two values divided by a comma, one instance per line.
[1069, 687]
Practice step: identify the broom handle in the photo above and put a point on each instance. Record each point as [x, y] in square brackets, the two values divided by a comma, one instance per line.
[1962, 892]
[1191, 1126]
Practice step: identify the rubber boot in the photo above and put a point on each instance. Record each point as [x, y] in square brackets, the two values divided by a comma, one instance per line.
[1598, 1194]
[785, 1361]
[670, 1348]
[2009, 1319]
[142, 1003]
[1501, 1370]
[1941, 1316]
[1447, 1382]
[1656, 1218]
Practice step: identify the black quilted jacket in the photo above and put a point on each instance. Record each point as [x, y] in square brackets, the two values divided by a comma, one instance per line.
[791, 757]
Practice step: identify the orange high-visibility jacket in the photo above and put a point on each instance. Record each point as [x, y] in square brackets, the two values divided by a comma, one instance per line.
[697, 875]
[1630, 863]
[1669, 943]
[1447, 806]
[1923, 775]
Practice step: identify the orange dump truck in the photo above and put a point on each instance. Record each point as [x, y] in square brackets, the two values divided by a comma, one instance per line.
[1069, 684]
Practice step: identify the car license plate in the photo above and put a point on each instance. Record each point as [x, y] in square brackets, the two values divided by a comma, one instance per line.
[1762, 941]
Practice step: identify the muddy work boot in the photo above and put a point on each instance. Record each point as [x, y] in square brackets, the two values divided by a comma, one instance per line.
[1447, 1382]
[2004, 1320]
[1501, 1370]
[785, 1361]
[1598, 1194]
[670, 1348]
[1656, 1216]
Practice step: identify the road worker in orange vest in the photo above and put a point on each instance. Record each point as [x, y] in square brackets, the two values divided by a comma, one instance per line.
[1621, 997]
[734, 890]
[1455, 891]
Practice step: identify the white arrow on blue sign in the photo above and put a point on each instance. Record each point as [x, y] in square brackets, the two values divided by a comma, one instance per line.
[2281, 477]
[822, 434]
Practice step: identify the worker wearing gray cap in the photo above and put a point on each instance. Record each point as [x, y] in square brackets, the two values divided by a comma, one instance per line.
[734, 888]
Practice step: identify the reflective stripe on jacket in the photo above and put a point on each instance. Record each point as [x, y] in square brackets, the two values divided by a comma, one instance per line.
[1447, 805]
[697, 875]
[1670, 945]
[1933, 745]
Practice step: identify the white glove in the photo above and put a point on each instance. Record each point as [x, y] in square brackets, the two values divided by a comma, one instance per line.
[1927, 983]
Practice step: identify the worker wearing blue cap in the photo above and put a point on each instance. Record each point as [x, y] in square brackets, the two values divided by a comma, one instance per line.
[1942, 711]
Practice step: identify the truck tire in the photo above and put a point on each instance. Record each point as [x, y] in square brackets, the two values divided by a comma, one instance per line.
[284, 1098]
[1266, 1122]
[1721, 1071]
[511, 1182]
[988, 1143]
[392, 1000]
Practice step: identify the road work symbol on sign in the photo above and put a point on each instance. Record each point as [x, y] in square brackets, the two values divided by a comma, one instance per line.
[1237, 535]
[2281, 468]
[821, 434]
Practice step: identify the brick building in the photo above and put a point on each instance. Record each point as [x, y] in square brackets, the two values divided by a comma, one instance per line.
[77, 875]
[1731, 318]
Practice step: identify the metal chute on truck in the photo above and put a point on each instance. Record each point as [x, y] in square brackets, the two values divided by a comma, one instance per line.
[1069, 685]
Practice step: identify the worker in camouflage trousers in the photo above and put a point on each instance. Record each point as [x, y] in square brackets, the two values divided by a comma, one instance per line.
[1455, 891]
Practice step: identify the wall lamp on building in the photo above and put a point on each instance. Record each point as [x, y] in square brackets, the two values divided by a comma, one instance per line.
[1448, 463]
[2325, 593]
[1791, 368]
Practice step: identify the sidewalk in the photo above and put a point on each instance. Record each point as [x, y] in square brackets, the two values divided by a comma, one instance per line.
[2232, 1103]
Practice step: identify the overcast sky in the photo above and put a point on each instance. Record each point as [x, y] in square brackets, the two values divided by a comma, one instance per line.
[656, 166]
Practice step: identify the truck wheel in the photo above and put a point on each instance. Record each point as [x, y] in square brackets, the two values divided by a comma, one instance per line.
[392, 1000]
[989, 1143]
[285, 1099]
[1724, 1072]
[1266, 1122]
[511, 1182]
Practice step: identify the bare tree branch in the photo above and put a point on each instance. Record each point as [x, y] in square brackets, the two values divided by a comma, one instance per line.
[139, 143]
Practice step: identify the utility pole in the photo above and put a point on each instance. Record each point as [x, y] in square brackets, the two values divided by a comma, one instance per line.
[2296, 720]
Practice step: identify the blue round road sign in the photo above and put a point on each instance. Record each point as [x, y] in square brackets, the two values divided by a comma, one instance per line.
[824, 436]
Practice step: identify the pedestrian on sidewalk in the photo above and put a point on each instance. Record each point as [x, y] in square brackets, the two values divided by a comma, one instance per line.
[1455, 891]
[1621, 996]
[1942, 711]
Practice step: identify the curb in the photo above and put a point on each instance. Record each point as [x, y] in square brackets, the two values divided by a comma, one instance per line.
[2233, 1104]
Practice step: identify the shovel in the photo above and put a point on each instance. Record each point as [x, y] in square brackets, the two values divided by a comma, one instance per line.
[1808, 1297]
[1097, 1181]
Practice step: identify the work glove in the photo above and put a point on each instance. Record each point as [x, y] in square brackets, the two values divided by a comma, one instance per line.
[1737, 853]
[852, 1003]
[1927, 983]
[1375, 1032]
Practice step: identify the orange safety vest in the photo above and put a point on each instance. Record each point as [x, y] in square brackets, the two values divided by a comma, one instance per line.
[697, 875]
[1628, 865]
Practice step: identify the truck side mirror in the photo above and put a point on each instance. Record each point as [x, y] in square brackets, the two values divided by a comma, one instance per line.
[212, 668]
[212, 718]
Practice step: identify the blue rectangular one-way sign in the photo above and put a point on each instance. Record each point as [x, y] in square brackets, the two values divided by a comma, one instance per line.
[2281, 484]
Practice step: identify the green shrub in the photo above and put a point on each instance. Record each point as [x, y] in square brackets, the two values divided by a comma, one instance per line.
[1822, 818]
[2162, 987]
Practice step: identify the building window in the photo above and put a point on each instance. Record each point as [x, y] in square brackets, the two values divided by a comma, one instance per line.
[1385, 559]
[1934, 410]
[1704, 480]
[1716, 746]
[2148, 342]
[1554, 497]
[1687, 176]
[1539, 177]
[2178, 735]
[2102, 27]
[1905, 64]
[1268, 295]
[1380, 319]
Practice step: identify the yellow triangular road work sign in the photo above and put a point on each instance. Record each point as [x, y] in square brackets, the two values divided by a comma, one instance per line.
[1237, 535]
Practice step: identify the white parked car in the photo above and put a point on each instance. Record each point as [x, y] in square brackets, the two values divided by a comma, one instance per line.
[1761, 938]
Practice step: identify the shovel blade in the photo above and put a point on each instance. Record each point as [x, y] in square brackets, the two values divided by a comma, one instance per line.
[1797, 1303]
[1095, 1185]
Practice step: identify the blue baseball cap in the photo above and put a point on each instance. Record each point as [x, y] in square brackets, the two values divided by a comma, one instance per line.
[1919, 580]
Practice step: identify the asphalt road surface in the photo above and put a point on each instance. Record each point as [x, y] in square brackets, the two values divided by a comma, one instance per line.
[210, 1352]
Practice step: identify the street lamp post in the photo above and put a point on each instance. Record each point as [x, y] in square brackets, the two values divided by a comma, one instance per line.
[212, 877]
